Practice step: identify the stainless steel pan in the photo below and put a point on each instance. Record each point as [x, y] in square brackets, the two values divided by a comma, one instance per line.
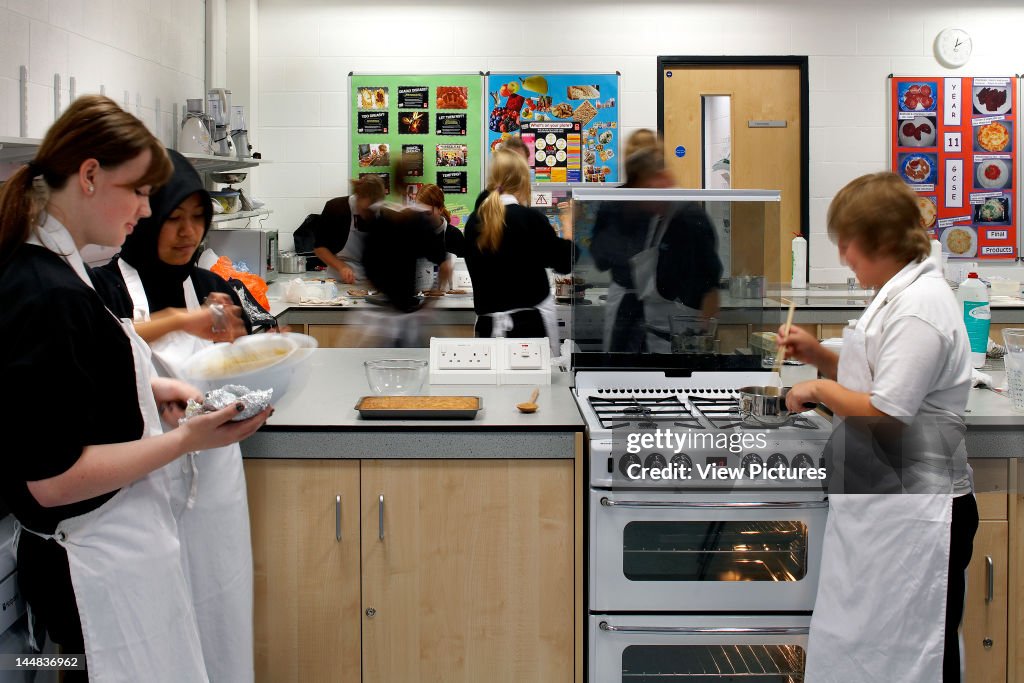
[766, 405]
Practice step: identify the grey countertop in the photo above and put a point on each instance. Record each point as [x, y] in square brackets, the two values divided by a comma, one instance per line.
[317, 418]
[994, 428]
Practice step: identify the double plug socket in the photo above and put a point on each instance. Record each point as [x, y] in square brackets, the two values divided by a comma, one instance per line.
[489, 361]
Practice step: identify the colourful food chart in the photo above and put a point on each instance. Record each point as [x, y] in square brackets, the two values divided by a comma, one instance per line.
[426, 125]
[580, 110]
[954, 143]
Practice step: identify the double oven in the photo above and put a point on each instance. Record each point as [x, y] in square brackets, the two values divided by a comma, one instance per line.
[697, 577]
[704, 528]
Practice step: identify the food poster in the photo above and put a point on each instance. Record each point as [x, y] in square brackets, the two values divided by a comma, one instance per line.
[427, 127]
[953, 141]
[579, 112]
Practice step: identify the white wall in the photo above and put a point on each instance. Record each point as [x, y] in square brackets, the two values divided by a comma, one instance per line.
[152, 49]
[307, 48]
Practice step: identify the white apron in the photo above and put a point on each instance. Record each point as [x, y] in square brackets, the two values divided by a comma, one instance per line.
[352, 252]
[880, 611]
[213, 520]
[124, 557]
[501, 321]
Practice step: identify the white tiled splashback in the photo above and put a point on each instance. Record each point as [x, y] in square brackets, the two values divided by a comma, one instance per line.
[306, 51]
[151, 50]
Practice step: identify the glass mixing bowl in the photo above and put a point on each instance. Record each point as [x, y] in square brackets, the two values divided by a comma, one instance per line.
[395, 376]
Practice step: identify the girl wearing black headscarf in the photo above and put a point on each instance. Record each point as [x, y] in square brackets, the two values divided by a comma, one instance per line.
[156, 274]
[160, 286]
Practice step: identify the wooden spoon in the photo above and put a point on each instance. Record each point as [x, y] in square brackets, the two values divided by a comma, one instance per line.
[531, 405]
[780, 352]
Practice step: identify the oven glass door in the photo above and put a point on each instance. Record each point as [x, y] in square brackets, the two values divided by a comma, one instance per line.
[672, 552]
[706, 649]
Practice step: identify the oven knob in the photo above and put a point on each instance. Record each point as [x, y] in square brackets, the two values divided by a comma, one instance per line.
[682, 461]
[802, 460]
[655, 461]
[777, 460]
[626, 462]
[751, 459]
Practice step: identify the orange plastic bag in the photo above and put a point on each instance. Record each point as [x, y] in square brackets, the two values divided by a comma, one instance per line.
[254, 283]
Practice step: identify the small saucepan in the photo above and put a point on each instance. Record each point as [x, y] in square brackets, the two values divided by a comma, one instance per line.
[766, 405]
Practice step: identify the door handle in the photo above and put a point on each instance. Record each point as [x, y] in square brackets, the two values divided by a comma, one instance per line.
[337, 518]
[380, 517]
[747, 505]
[699, 630]
[990, 579]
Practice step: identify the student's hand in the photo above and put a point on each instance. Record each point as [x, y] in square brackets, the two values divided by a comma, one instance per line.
[214, 430]
[444, 275]
[801, 393]
[347, 275]
[800, 345]
[171, 397]
[207, 323]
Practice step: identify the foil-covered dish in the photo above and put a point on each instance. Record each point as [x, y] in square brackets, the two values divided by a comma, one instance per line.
[254, 401]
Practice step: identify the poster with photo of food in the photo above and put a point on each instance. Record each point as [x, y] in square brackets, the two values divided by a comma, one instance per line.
[532, 105]
[415, 126]
[953, 142]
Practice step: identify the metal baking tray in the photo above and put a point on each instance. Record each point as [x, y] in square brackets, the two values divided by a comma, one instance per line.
[425, 411]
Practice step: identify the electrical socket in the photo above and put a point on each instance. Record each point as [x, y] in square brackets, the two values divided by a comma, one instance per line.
[458, 360]
[469, 354]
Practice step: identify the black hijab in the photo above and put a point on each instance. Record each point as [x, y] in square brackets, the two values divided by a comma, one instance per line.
[163, 282]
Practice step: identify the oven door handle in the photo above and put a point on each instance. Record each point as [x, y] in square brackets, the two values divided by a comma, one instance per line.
[733, 505]
[709, 631]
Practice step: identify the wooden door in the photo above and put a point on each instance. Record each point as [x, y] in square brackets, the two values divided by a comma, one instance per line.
[473, 579]
[762, 158]
[307, 612]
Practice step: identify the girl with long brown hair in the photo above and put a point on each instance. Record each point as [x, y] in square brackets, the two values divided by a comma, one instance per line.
[508, 247]
[98, 550]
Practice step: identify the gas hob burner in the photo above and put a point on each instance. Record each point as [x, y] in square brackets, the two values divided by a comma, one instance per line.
[642, 411]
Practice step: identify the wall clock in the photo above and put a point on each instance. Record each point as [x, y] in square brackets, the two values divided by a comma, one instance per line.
[953, 47]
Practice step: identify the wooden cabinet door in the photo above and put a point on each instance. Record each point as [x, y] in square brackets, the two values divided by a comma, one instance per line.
[305, 538]
[984, 624]
[473, 578]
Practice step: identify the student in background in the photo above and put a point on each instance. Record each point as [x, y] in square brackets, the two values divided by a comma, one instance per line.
[508, 247]
[432, 197]
[341, 230]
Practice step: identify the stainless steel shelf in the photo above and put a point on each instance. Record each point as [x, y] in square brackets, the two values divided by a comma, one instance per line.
[223, 217]
[13, 150]
[207, 163]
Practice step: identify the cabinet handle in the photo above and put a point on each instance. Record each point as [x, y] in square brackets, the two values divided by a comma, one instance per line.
[337, 518]
[380, 517]
[990, 579]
